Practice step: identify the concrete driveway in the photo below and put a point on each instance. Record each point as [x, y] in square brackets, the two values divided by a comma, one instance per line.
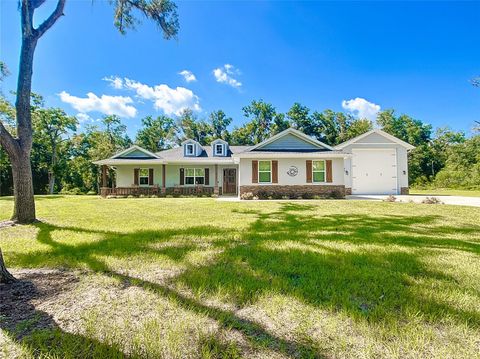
[455, 200]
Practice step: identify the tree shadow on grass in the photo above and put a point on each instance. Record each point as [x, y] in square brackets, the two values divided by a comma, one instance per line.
[293, 252]
[37, 330]
[254, 332]
[303, 256]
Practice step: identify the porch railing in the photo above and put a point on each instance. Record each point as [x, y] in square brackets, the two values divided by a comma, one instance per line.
[156, 190]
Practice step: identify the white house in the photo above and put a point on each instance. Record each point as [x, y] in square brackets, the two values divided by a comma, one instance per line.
[287, 163]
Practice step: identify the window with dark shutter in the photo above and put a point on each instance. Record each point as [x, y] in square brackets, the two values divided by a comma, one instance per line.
[254, 171]
[329, 170]
[318, 171]
[309, 171]
[274, 171]
[143, 176]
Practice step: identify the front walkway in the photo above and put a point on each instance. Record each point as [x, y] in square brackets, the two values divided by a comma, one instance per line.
[454, 200]
[228, 198]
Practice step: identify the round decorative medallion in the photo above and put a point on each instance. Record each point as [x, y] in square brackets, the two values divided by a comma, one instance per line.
[292, 171]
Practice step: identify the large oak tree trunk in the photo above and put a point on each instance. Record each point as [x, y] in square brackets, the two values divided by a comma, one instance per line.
[24, 208]
[5, 276]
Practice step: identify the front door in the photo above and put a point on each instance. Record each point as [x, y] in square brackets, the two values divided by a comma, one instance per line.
[230, 181]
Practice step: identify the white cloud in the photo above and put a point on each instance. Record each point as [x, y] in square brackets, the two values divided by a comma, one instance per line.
[83, 117]
[115, 81]
[188, 75]
[225, 75]
[109, 105]
[361, 108]
[169, 100]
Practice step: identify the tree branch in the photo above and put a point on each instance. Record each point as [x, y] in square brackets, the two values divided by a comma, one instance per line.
[37, 3]
[162, 12]
[7, 141]
[52, 19]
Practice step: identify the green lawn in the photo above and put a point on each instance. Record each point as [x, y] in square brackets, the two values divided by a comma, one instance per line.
[188, 278]
[446, 192]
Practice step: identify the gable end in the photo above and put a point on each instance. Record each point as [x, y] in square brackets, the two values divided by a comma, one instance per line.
[291, 140]
[288, 142]
[135, 154]
[375, 138]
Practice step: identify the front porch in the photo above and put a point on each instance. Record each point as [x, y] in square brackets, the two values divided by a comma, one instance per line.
[160, 187]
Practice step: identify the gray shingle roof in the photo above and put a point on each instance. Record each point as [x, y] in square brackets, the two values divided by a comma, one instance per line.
[177, 153]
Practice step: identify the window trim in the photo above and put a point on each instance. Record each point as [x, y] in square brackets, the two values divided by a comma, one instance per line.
[187, 146]
[140, 177]
[324, 171]
[258, 174]
[194, 176]
[215, 149]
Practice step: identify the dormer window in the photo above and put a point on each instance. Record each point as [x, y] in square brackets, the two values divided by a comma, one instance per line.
[218, 149]
[189, 149]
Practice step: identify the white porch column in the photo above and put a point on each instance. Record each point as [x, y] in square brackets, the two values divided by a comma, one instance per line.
[164, 179]
[215, 186]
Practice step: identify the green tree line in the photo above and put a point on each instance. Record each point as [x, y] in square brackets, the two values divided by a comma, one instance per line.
[63, 151]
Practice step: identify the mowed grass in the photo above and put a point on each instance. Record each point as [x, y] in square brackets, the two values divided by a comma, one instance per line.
[188, 278]
[446, 192]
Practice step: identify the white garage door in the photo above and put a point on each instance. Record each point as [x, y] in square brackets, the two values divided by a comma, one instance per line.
[374, 171]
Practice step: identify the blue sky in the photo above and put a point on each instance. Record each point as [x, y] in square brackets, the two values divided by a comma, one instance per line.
[415, 57]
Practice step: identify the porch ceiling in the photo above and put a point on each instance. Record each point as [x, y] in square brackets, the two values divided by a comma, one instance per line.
[194, 161]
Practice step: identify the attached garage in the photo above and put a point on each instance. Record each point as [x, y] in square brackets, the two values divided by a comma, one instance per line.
[378, 164]
[374, 170]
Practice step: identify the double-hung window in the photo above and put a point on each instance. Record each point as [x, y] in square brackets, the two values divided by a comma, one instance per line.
[218, 149]
[194, 176]
[318, 171]
[264, 171]
[189, 148]
[143, 177]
